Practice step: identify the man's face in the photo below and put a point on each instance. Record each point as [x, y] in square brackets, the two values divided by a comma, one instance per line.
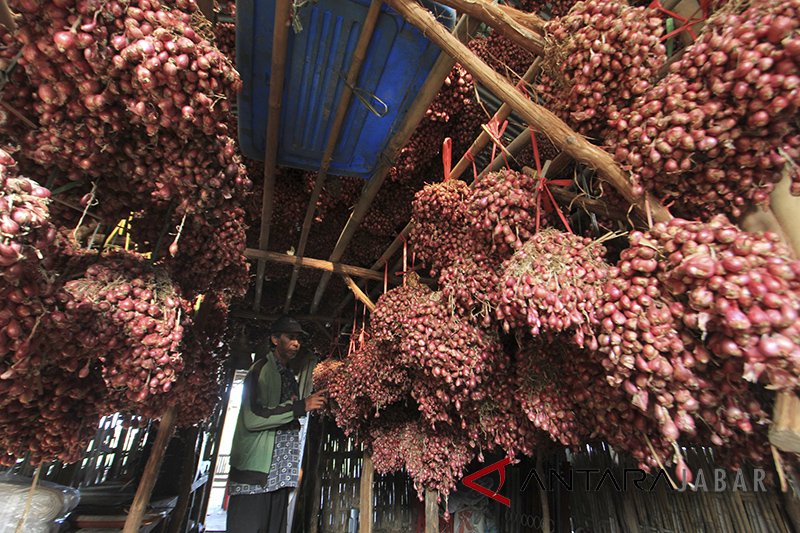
[287, 345]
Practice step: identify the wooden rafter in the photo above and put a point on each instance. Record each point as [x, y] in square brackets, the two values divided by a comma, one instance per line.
[416, 112]
[280, 38]
[359, 54]
[502, 114]
[475, 148]
[564, 137]
[361, 295]
[319, 264]
[502, 21]
[513, 148]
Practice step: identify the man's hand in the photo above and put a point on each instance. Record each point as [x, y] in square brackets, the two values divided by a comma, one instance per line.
[316, 401]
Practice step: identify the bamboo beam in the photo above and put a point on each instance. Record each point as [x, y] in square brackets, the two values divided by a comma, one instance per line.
[416, 112]
[365, 495]
[280, 38]
[319, 264]
[501, 21]
[359, 54]
[537, 116]
[363, 298]
[484, 138]
[142, 498]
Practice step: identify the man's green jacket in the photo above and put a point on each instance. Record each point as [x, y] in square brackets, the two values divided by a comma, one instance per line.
[260, 416]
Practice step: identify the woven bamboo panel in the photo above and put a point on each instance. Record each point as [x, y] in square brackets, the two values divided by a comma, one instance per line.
[605, 509]
[340, 473]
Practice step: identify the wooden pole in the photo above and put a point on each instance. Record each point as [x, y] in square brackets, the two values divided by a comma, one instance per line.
[150, 474]
[543, 495]
[365, 495]
[363, 298]
[511, 150]
[440, 70]
[280, 39]
[321, 264]
[367, 29]
[431, 511]
[501, 21]
[188, 470]
[479, 144]
[537, 116]
[484, 138]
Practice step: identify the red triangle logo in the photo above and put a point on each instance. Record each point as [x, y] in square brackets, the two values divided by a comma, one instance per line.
[469, 481]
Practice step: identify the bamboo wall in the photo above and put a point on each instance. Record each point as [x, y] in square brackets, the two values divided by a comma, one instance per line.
[602, 509]
[340, 472]
[665, 510]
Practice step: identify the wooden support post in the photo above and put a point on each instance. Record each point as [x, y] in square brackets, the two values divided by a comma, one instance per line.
[416, 112]
[537, 116]
[501, 21]
[188, 470]
[365, 495]
[431, 511]
[543, 495]
[363, 298]
[280, 39]
[150, 474]
[367, 29]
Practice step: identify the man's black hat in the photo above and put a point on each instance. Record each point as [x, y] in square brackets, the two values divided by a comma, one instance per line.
[287, 324]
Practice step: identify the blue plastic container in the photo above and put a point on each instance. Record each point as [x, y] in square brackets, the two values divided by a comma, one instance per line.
[396, 65]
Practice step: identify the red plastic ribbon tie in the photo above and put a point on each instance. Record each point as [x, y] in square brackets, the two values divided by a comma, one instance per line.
[447, 157]
[471, 159]
[405, 258]
[495, 133]
[385, 276]
[549, 202]
[687, 22]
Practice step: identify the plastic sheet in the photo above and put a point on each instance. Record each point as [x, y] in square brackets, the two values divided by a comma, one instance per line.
[50, 504]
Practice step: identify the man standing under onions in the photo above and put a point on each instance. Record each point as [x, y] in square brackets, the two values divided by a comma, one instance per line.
[265, 455]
